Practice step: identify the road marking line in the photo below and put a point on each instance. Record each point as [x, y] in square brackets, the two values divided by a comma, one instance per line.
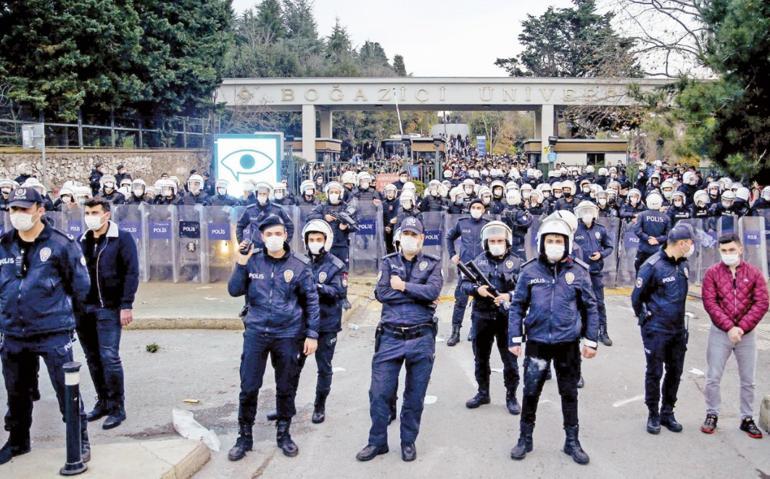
[628, 401]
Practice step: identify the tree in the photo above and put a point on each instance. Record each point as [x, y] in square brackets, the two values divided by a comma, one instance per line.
[373, 60]
[399, 66]
[270, 21]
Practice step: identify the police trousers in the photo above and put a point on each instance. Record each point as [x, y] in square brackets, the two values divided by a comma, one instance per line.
[327, 342]
[663, 349]
[487, 331]
[284, 357]
[391, 352]
[566, 363]
[597, 284]
[20, 360]
[461, 302]
[99, 333]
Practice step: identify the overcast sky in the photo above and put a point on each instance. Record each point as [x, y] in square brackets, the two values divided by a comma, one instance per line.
[436, 37]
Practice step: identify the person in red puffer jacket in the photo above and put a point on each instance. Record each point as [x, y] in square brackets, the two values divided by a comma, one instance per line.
[735, 297]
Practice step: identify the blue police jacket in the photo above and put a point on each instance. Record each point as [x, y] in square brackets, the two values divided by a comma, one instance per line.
[415, 305]
[660, 293]
[592, 240]
[469, 232]
[254, 215]
[519, 220]
[281, 294]
[41, 300]
[113, 265]
[341, 237]
[331, 280]
[649, 224]
[549, 302]
[501, 272]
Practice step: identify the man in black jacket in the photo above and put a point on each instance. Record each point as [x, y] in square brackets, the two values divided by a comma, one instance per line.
[113, 266]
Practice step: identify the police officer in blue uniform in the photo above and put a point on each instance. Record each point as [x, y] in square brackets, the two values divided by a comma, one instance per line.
[113, 266]
[408, 286]
[257, 212]
[659, 298]
[390, 214]
[327, 211]
[329, 279]
[552, 293]
[468, 229]
[43, 276]
[595, 245]
[651, 227]
[282, 321]
[489, 314]
[518, 219]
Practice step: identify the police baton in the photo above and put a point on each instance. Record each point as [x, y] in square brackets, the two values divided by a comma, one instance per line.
[74, 464]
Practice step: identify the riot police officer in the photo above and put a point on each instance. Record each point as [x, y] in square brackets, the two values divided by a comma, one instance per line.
[6, 188]
[659, 298]
[254, 214]
[329, 212]
[518, 220]
[195, 194]
[433, 199]
[678, 209]
[43, 276]
[109, 191]
[595, 245]
[408, 285]
[552, 293]
[390, 214]
[489, 314]
[281, 196]
[282, 320]
[468, 229]
[220, 196]
[651, 227]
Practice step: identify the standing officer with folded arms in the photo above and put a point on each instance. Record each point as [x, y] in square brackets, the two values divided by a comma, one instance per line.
[113, 266]
[408, 285]
[43, 275]
[282, 321]
[659, 298]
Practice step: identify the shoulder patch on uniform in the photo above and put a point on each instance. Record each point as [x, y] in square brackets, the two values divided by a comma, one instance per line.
[529, 261]
[581, 263]
[431, 256]
[336, 261]
[302, 258]
[653, 259]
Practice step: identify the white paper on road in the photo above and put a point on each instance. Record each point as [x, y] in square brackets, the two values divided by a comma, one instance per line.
[497, 370]
[353, 326]
[338, 370]
[430, 399]
[187, 427]
[697, 372]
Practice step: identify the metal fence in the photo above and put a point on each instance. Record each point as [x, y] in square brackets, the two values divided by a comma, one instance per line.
[197, 243]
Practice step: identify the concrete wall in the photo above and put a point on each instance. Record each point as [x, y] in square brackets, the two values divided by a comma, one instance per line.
[68, 164]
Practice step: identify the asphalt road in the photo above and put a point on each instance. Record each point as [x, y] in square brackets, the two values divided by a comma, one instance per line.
[454, 441]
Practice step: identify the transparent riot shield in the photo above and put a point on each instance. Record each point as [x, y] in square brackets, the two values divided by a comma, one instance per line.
[189, 245]
[530, 239]
[162, 244]
[752, 234]
[706, 252]
[610, 272]
[448, 268]
[433, 223]
[765, 213]
[627, 247]
[367, 244]
[295, 243]
[304, 212]
[57, 220]
[73, 221]
[132, 220]
[219, 242]
[5, 222]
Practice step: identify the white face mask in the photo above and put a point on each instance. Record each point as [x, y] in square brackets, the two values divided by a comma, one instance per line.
[690, 251]
[476, 214]
[94, 222]
[262, 199]
[587, 219]
[730, 259]
[497, 249]
[667, 194]
[315, 246]
[554, 252]
[274, 243]
[195, 188]
[138, 192]
[22, 221]
[221, 191]
[410, 244]
[279, 195]
[727, 204]
[334, 198]
[406, 204]
[602, 202]
[364, 185]
[309, 192]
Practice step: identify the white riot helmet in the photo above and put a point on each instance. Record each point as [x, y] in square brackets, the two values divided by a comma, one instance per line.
[318, 226]
[743, 193]
[766, 193]
[434, 188]
[390, 191]
[634, 192]
[397, 239]
[279, 191]
[37, 185]
[569, 184]
[108, 181]
[556, 226]
[587, 212]
[654, 201]
[700, 198]
[407, 197]
[590, 169]
[667, 187]
[195, 183]
[221, 187]
[485, 194]
[166, 187]
[566, 216]
[603, 172]
[678, 195]
[82, 194]
[494, 228]
[364, 177]
[349, 178]
[263, 191]
[307, 185]
[526, 191]
[728, 198]
[7, 186]
[66, 192]
[409, 186]
[456, 193]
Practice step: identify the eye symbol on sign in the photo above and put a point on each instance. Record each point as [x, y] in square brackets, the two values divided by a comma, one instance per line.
[246, 162]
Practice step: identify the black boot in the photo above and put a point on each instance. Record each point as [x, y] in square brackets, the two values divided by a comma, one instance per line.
[370, 452]
[85, 445]
[511, 403]
[481, 397]
[100, 410]
[319, 409]
[604, 338]
[18, 444]
[668, 420]
[524, 445]
[244, 443]
[455, 337]
[283, 438]
[116, 417]
[272, 415]
[653, 423]
[572, 446]
[581, 382]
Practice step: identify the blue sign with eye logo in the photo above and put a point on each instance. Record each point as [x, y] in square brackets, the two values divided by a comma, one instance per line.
[247, 158]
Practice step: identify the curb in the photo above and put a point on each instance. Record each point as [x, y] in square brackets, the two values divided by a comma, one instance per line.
[190, 464]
